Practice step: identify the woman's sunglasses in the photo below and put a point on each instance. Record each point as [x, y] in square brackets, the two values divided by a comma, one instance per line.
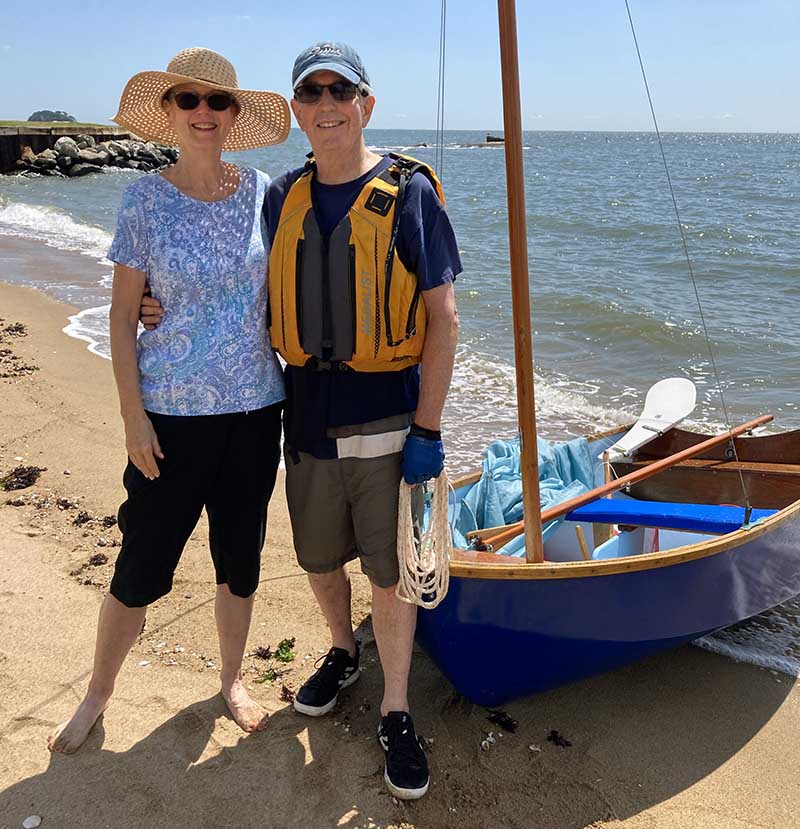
[310, 93]
[218, 101]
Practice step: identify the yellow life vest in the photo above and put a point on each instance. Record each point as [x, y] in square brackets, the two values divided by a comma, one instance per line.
[348, 299]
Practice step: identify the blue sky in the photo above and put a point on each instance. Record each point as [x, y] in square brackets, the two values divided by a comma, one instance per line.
[718, 65]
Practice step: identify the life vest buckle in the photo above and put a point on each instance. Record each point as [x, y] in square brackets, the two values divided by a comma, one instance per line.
[315, 364]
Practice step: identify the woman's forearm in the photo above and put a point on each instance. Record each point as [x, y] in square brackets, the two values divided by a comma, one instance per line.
[124, 320]
[126, 369]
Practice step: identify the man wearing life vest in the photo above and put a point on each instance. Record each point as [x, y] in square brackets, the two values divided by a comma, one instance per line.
[362, 310]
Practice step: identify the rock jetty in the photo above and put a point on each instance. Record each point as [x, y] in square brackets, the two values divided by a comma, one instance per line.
[81, 155]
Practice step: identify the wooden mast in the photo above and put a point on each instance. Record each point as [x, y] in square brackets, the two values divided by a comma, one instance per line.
[520, 289]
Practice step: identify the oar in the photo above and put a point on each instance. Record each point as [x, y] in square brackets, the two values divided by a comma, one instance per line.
[495, 540]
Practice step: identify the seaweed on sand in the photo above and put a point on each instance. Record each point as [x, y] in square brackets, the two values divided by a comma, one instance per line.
[21, 477]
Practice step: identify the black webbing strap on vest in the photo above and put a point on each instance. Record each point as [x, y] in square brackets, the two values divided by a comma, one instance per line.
[315, 364]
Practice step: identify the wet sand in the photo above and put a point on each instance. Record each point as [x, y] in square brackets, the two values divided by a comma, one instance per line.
[686, 739]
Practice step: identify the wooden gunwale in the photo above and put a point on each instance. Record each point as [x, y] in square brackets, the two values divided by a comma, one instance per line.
[765, 448]
[787, 470]
[493, 566]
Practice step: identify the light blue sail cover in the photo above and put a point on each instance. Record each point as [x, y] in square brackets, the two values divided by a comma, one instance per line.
[565, 471]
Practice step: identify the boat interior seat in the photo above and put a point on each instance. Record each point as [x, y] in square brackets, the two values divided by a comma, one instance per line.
[704, 518]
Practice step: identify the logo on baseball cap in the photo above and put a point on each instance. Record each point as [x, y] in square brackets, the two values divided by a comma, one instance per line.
[335, 57]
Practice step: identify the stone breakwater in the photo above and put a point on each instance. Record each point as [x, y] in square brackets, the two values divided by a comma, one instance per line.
[81, 155]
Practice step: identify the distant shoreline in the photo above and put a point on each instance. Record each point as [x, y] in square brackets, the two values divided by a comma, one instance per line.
[495, 129]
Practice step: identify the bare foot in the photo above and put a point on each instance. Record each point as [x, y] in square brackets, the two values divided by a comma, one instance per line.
[247, 713]
[70, 735]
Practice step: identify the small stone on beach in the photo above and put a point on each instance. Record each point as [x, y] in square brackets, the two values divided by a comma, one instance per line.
[144, 663]
[31, 822]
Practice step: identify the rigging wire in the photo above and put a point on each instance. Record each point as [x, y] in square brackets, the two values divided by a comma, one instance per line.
[439, 156]
[424, 562]
[748, 507]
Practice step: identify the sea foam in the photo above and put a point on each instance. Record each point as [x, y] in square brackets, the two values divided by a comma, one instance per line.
[54, 227]
[91, 326]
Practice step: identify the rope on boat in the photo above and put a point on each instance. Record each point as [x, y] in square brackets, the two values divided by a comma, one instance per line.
[424, 564]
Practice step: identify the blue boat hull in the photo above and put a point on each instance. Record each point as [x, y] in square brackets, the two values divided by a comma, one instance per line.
[497, 639]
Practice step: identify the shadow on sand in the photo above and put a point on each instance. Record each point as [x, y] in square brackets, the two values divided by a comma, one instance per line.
[639, 736]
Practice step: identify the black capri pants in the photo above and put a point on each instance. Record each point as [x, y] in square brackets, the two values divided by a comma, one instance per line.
[226, 463]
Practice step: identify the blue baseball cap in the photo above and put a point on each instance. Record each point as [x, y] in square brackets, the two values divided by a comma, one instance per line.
[335, 57]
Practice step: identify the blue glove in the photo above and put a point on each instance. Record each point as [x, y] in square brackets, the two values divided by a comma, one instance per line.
[423, 455]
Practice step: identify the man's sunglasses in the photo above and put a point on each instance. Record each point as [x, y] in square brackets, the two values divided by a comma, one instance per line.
[218, 101]
[310, 93]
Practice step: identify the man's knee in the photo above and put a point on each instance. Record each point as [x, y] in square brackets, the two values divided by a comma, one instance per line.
[385, 591]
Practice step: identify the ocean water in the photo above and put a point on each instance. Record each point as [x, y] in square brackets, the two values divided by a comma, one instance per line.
[614, 309]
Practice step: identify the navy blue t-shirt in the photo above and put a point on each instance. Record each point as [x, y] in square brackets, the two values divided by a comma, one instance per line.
[427, 247]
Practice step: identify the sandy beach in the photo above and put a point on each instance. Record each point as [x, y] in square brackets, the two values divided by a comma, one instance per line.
[687, 739]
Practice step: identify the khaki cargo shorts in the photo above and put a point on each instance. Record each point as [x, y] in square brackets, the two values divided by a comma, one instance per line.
[346, 508]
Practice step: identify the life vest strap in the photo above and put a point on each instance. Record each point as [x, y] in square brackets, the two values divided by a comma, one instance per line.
[315, 364]
[399, 174]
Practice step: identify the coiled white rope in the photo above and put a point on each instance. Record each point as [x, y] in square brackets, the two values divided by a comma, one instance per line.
[424, 564]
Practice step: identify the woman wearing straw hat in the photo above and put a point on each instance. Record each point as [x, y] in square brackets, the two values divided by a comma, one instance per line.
[200, 397]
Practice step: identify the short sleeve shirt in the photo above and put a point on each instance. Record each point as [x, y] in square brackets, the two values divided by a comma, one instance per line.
[206, 263]
[427, 247]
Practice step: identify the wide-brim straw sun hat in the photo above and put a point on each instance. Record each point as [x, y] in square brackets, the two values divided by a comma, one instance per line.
[263, 117]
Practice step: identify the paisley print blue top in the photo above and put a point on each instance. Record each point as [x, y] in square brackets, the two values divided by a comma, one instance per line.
[206, 262]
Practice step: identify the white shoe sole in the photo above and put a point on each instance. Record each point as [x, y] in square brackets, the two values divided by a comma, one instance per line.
[320, 711]
[405, 794]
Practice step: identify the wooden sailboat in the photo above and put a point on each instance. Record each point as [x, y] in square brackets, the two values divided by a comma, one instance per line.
[707, 530]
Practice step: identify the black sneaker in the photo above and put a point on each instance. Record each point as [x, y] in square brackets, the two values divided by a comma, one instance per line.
[319, 693]
[406, 772]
